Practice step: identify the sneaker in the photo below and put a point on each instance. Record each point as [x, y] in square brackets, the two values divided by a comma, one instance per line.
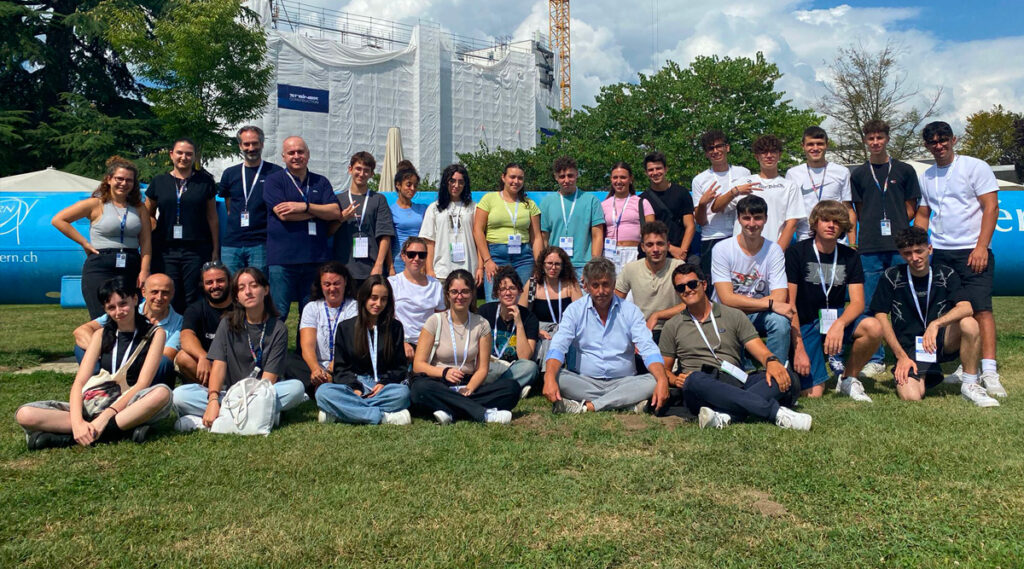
[569, 406]
[524, 392]
[957, 377]
[854, 388]
[397, 418]
[139, 434]
[497, 416]
[835, 363]
[990, 379]
[976, 394]
[642, 407]
[787, 418]
[38, 440]
[443, 418]
[708, 417]
[325, 417]
[188, 423]
[874, 370]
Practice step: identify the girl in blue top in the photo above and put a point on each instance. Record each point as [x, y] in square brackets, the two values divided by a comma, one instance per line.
[407, 216]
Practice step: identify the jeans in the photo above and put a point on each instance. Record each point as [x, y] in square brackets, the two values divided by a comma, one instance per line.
[343, 403]
[874, 265]
[617, 393]
[290, 283]
[776, 329]
[755, 399]
[237, 258]
[183, 264]
[523, 264]
[191, 398]
[165, 373]
[814, 345]
[522, 372]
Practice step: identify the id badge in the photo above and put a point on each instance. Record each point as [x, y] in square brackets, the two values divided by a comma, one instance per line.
[609, 246]
[921, 355]
[566, 245]
[360, 247]
[244, 219]
[178, 231]
[515, 244]
[312, 227]
[734, 371]
[827, 317]
[458, 251]
[886, 228]
[120, 261]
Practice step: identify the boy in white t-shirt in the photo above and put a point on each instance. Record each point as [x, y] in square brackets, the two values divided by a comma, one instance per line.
[819, 179]
[715, 218]
[785, 208]
[962, 192]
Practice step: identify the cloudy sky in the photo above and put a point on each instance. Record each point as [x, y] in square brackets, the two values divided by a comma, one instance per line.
[975, 54]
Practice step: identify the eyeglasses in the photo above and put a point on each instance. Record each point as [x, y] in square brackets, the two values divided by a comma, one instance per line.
[555, 264]
[212, 265]
[460, 292]
[416, 254]
[691, 285]
[456, 182]
[719, 146]
[123, 180]
[505, 289]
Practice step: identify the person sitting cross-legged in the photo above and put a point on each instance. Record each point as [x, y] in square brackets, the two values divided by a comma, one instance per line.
[707, 340]
[926, 319]
[607, 331]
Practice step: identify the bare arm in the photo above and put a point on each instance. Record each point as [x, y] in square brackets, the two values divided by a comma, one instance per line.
[145, 245]
[429, 268]
[924, 214]
[786, 236]
[214, 221]
[383, 254]
[978, 259]
[83, 334]
[597, 240]
[480, 239]
[852, 235]
[689, 232]
[78, 210]
[536, 239]
[911, 206]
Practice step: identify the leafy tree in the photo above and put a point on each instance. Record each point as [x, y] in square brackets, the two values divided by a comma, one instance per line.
[866, 85]
[990, 135]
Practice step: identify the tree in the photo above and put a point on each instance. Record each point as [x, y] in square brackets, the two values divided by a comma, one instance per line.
[866, 85]
[990, 135]
[667, 112]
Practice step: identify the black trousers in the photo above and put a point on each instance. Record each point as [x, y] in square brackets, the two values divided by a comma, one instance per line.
[296, 368]
[99, 269]
[754, 399]
[183, 264]
[429, 394]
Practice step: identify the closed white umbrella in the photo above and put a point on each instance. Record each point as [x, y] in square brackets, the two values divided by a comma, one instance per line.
[392, 156]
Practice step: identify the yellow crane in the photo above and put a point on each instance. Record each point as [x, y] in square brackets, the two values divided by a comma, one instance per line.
[558, 40]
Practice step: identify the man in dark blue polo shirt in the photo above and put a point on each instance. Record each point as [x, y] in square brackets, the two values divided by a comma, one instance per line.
[300, 207]
[241, 186]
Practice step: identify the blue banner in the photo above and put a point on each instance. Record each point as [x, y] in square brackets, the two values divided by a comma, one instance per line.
[302, 99]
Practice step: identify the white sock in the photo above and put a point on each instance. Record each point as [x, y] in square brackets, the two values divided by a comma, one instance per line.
[988, 365]
[969, 378]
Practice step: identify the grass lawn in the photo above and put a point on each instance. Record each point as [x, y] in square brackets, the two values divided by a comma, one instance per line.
[889, 484]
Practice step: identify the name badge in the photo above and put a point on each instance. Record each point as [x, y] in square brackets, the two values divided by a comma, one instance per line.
[360, 247]
[609, 246]
[312, 227]
[178, 231]
[120, 261]
[922, 355]
[827, 317]
[244, 219]
[566, 244]
[458, 251]
[515, 244]
[734, 371]
[886, 228]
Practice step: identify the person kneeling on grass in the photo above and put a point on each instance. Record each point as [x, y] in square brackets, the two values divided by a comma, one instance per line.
[250, 336]
[923, 311]
[369, 363]
[514, 331]
[452, 358]
[707, 340]
[50, 424]
[608, 332]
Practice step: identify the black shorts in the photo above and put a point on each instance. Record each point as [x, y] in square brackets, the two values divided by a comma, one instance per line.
[932, 372]
[977, 286]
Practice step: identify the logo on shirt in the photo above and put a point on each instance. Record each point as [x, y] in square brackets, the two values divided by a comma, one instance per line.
[816, 271]
[752, 284]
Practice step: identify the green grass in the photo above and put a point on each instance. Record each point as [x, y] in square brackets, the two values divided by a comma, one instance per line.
[935, 484]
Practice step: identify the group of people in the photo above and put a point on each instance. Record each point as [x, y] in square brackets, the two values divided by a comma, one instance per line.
[678, 288]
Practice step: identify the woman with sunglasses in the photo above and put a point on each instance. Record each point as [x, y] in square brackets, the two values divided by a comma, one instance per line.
[416, 294]
[452, 358]
[119, 232]
[369, 364]
[448, 228]
[552, 288]
[622, 217]
[507, 228]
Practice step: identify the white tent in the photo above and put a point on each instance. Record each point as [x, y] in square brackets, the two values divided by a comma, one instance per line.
[48, 180]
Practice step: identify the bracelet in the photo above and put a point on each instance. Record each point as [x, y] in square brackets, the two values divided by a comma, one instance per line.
[444, 373]
[771, 303]
[111, 408]
[213, 396]
[771, 358]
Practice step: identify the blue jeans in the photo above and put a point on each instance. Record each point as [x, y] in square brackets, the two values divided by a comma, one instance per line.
[291, 283]
[814, 345]
[874, 265]
[340, 401]
[191, 398]
[237, 258]
[776, 329]
[521, 372]
[523, 264]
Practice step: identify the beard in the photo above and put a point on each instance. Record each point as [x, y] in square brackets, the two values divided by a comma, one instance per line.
[216, 297]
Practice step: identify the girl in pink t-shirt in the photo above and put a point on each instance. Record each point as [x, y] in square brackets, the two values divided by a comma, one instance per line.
[622, 217]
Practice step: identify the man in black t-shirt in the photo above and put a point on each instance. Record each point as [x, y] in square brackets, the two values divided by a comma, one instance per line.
[200, 323]
[926, 320]
[885, 193]
[672, 205]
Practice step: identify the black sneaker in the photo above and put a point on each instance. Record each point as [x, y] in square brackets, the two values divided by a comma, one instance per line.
[139, 434]
[38, 440]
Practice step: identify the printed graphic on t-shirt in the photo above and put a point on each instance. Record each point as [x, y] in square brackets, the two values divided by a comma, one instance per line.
[753, 284]
[814, 273]
[503, 336]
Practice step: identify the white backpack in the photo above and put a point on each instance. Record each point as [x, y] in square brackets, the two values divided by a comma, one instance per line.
[249, 408]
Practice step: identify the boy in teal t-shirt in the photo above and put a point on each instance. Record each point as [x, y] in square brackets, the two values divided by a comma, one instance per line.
[572, 219]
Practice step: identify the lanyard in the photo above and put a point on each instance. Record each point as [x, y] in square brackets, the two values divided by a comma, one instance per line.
[372, 344]
[362, 215]
[618, 219]
[497, 318]
[179, 191]
[455, 219]
[700, 330]
[257, 351]
[332, 325]
[114, 366]
[246, 192]
[821, 275]
[949, 174]
[820, 189]
[512, 216]
[305, 195]
[124, 220]
[455, 349]
[881, 187]
[561, 202]
[927, 297]
[549, 301]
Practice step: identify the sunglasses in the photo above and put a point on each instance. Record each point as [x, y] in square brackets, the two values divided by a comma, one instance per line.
[416, 254]
[691, 285]
[212, 265]
[937, 141]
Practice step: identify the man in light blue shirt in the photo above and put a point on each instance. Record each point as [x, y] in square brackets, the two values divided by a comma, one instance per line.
[571, 219]
[606, 329]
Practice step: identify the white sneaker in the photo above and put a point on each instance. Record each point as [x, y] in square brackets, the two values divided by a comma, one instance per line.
[397, 418]
[975, 393]
[854, 388]
[874, 370]
[787, 418]
[990, 379]
[325, 417]
[188, 423]
[708, 417]
[443, 418]
[524, 392]
[497, 416]
[957, 377]
[569, 406]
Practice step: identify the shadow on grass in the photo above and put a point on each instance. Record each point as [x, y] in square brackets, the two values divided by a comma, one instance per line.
[21, 359]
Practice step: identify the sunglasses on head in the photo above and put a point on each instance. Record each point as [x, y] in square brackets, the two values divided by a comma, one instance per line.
[416, 254]
[691, 285]
[212, 265]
